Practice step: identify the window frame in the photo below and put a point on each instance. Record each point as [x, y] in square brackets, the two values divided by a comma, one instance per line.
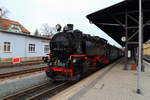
[7, 47]
[31, 48]
[46, 49]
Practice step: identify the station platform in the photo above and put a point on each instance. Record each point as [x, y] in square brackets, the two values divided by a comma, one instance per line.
[110, 83]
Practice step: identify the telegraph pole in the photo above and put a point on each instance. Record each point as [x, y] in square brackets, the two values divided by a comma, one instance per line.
[140, 48]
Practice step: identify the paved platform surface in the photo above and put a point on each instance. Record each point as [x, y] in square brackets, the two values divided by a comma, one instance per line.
[110, 83]
[19, 68]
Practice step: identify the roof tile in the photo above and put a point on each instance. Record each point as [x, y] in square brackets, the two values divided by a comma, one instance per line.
[5, 24]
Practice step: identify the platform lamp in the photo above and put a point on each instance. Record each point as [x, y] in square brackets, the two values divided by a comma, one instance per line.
[123, 39]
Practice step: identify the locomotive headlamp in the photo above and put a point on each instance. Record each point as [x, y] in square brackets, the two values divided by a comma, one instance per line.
[74, 60]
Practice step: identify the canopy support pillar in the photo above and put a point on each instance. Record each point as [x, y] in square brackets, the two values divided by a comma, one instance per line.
[126, 43]
[140, 48]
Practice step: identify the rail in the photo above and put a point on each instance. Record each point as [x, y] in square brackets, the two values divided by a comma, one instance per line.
[10, 74]
[35, 93]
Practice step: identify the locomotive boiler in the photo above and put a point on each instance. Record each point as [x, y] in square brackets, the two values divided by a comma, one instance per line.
[73, 54]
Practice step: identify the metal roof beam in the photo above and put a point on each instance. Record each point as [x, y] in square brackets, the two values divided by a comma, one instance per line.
[147, 23]
[131, 12]
[131, 17]
[132, 27]
[110, 24]
[118, 21]
[132, 42]
[133, 35]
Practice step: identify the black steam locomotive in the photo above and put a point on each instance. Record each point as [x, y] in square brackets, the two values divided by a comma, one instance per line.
[73, 54]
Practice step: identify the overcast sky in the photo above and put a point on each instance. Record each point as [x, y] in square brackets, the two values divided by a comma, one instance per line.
[33, 13]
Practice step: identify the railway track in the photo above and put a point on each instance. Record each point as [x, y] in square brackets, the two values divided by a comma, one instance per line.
[43, 91]
[10, 74]
[39, 92]
[18, 65]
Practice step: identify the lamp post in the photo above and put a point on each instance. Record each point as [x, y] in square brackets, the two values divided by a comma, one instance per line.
[140, 48]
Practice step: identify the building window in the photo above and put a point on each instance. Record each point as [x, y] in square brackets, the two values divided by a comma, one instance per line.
[31, 47]
[46, 49]
[7, 46]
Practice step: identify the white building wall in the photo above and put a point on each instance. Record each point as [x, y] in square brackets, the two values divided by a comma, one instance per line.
[39, 47]
[20, 45]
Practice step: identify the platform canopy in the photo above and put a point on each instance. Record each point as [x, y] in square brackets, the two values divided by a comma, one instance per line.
[112, 20]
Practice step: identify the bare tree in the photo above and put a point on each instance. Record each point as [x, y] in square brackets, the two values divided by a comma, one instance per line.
[47, 30]
[3, 12]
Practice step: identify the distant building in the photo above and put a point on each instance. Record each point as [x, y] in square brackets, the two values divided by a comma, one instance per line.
[147, 48]
[16, 42]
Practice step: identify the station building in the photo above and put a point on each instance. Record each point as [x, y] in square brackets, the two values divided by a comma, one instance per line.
[17, 42]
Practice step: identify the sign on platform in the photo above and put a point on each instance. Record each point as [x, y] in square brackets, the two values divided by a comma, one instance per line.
[15, 60]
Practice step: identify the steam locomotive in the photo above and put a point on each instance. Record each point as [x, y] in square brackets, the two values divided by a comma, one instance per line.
[73, 54]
